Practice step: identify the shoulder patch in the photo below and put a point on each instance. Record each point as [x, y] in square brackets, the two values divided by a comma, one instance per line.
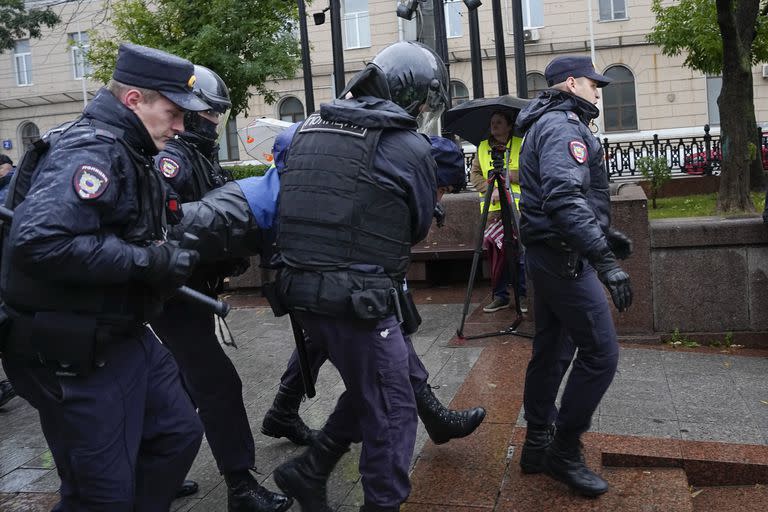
[169, 167]
[89, 182]
[572, 117]
[578, 151]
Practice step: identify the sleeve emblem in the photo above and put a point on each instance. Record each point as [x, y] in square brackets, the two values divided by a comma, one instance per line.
[169, 167]
[89, 182]
[578, 151]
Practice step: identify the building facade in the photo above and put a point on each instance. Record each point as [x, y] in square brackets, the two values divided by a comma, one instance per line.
[42, 84]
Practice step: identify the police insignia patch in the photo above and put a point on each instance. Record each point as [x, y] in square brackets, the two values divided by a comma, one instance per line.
[89, 182]
[578, 151]
[169, 167]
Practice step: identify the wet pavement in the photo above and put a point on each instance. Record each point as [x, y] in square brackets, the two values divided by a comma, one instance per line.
[676, 426]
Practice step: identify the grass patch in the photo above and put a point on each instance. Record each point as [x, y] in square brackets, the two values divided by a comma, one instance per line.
[698, 205]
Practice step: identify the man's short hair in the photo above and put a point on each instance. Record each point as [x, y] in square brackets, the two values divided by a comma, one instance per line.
[119, 89]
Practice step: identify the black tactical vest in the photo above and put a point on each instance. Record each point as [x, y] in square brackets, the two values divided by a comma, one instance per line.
[334, 213]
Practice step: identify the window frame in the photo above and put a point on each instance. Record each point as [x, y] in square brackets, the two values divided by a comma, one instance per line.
[77, 47]
[230, 150]
[526, 4]
[613, 14]
[713, 100]
[620, 106]
[293, 119]
[538, 74]
[346, 17]
[22, 128]
[460, 16]
[25, 58]
[453, 84]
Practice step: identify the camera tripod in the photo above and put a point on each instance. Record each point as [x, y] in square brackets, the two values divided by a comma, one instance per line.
[511, 226]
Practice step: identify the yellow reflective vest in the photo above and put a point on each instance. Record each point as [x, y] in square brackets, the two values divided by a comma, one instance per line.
[511, 157]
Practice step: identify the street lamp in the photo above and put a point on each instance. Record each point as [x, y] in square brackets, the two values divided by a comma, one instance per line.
[339, 80]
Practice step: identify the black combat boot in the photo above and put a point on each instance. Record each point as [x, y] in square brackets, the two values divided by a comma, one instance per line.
[564, 461]
[283, 420]
[304, 477]
[244, 494]
[444, 424]
[537, 438]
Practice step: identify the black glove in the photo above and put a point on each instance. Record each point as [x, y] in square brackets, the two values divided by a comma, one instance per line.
[619, 243]
[169, 266]
[614, 278]
[439, 215]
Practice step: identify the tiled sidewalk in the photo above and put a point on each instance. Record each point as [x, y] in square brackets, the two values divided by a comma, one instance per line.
[672, 418]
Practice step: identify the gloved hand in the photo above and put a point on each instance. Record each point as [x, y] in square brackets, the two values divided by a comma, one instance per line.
[619, 243]
[439, 215]
[168, 265]
[614, 278]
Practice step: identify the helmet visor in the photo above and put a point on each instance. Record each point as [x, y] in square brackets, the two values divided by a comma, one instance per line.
[218, 119]
[432, 109]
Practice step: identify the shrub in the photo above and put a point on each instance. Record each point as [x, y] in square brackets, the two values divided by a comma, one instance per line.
[246, 171]
[657, 172]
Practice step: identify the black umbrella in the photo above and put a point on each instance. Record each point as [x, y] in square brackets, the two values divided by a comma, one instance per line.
[472, 119]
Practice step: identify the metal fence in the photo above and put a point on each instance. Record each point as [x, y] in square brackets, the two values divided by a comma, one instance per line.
[686, 156]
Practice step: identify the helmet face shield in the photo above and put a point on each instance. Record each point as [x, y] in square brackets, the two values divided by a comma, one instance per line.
[217, 119]
[432, 109]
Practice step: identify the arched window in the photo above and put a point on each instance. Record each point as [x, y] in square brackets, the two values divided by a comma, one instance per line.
[28, 133]
[619, 103]
[536, 84]
[459, 93]
[291, 110]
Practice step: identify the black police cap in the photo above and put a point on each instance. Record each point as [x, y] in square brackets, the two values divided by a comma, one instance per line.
[153, 69]
[562, 67]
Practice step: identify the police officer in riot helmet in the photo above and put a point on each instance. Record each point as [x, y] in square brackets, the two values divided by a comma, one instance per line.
[85, 265]
[347, 220]
[190, 165]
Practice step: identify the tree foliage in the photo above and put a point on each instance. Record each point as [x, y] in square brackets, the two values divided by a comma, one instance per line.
[690, 27]
[247, 42]
[16, 22]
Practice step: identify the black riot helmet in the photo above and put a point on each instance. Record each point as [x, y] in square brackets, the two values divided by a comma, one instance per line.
[210, 88]
[410, 74]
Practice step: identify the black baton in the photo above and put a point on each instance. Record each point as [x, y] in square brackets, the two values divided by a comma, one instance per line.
[301, 350]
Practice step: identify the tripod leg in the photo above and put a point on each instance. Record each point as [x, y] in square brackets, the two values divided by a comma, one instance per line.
[476, 256]
[511, 244]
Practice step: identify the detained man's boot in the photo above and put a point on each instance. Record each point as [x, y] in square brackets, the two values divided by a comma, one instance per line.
[444, 424]
[537, 439]
[564, 461]
[304, 477]
[244, 494]
[283, 420]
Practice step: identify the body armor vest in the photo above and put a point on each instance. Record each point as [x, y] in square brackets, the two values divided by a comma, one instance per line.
[334, 213]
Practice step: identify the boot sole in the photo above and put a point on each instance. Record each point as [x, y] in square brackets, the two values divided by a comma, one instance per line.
[578, 490]
[278, 435]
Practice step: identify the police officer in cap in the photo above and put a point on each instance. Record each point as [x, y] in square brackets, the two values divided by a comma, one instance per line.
[572, 253]
[189, 163]
[84, 267]
[442, 424]
[357, 191]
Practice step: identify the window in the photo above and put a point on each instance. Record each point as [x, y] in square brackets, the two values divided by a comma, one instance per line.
[291, 110]
[453, 16]
[357, 28]
[22, 58]
[619, 104]
[228, 148]
[613, 10]
[714, 84]
[79, 45]
[29, 133]
[459, 93]
[533, 14]
[536, 84]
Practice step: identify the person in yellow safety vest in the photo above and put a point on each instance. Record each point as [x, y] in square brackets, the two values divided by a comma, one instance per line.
[500, 134]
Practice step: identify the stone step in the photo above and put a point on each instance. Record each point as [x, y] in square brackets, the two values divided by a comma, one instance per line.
[744, 498]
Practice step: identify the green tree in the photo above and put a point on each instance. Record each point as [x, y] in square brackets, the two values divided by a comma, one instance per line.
[247, 42]
[657, 172]
[725, 37]
[16, 22]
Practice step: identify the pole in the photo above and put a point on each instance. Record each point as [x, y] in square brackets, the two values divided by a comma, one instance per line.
[441, 41]
[501, 54]
[521, 77]
[339, 80]
[306, 65]
[478, 88]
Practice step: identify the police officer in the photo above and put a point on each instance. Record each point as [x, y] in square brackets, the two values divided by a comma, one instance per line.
[571, 250]
[442, 424]
[189, 163]
[84, 267]
[357, 191]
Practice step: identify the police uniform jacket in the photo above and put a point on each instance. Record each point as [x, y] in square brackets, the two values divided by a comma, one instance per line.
[565, 193]
[76, 243]
[357, 190]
